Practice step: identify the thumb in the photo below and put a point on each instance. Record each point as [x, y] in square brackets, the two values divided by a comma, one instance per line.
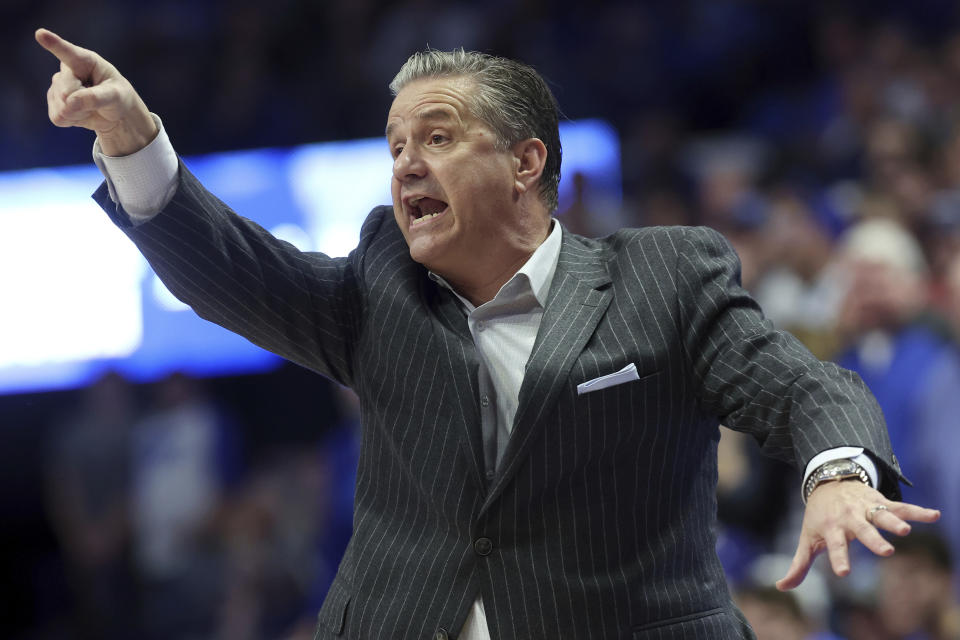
[92, 98]
[81, 61]
[802, 560]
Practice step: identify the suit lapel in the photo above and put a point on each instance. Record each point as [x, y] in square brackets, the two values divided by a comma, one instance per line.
[579, 296]
[460, 356]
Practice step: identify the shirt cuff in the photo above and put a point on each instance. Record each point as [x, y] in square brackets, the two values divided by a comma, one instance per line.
[853, 453]
[143, 183]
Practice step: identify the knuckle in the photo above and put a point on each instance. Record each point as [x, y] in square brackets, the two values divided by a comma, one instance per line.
[836, 538]
[870, 537]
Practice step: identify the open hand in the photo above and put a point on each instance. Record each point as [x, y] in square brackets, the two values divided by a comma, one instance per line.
[838, 512]
[89, 92]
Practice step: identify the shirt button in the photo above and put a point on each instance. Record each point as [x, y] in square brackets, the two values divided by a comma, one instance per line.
[481, 325]
[484, 400]
[483, 546]
[441, 634]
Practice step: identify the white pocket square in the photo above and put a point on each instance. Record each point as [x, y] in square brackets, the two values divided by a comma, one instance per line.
[627, 374]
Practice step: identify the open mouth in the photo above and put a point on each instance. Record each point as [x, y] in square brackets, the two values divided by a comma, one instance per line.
[424, 209]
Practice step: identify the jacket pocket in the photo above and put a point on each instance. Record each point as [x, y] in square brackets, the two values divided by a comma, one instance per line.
[628, 379]
[627, 374]
[701, 624]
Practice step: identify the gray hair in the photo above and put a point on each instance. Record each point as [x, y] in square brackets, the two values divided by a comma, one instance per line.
[510, 97]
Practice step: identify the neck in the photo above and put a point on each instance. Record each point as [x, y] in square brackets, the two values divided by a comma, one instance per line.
[479, 291]
[488, 273]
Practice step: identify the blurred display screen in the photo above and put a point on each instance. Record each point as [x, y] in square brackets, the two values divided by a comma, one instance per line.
[78, 298]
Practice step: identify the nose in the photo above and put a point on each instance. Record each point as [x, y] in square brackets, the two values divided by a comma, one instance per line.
[409, 165]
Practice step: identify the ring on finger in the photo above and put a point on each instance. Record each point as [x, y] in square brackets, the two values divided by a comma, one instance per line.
[873, 510]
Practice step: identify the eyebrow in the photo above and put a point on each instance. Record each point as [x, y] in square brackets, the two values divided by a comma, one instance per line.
[429, 114]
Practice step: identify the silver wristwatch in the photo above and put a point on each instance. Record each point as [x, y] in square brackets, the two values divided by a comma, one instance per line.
[842, 469]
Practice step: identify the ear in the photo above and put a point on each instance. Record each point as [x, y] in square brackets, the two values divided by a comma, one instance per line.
[529, 158]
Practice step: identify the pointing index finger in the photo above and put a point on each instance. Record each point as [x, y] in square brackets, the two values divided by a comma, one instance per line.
[81, 61]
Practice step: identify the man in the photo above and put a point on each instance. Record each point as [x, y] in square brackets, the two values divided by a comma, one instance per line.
[540, 410]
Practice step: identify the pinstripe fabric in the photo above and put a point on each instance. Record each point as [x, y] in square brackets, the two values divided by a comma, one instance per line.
[602, 511]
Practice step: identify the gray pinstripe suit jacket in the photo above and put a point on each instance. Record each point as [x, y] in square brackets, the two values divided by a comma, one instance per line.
[602, 512]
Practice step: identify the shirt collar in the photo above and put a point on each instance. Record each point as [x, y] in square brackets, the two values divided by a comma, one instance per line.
[537, 272]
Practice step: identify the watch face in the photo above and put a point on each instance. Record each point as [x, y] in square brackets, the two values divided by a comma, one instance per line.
[839, 467]
[834, 470]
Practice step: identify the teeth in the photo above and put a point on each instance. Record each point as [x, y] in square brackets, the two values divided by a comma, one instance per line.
[422, 218]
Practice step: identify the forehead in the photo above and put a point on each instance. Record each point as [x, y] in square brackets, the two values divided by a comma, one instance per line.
[430, 99]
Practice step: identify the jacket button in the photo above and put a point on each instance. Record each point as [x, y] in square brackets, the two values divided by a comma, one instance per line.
[483, 546]
[441, 634]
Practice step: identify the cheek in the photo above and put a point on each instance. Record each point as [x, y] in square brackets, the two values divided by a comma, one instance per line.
[395, 191]
[487, 186]
[395, 195]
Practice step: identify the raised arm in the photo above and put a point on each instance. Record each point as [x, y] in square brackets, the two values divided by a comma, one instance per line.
[305, 307]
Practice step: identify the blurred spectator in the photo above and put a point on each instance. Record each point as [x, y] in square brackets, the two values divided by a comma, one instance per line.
[775, 615]
[88, 491]
[801, 613]
[185, 459]
[912, 369]
[914, 596]
[286, 533]
[941, 241]
[270, 561]
[803, 288]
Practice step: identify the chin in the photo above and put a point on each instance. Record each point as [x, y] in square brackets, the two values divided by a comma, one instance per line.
[426, 253]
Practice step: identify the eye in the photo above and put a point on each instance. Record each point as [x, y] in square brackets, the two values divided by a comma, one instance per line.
[397, 150]
[437, 139]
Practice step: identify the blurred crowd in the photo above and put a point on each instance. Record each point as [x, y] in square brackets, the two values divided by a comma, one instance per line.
[822, 138]
[166, 525]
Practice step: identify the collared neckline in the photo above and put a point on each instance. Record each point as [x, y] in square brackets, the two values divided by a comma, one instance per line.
[537, 273]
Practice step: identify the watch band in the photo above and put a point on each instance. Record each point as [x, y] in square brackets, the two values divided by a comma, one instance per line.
[842, 469]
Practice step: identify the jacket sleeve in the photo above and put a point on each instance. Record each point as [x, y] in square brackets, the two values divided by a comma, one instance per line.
[305, 307]
[762, 381]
